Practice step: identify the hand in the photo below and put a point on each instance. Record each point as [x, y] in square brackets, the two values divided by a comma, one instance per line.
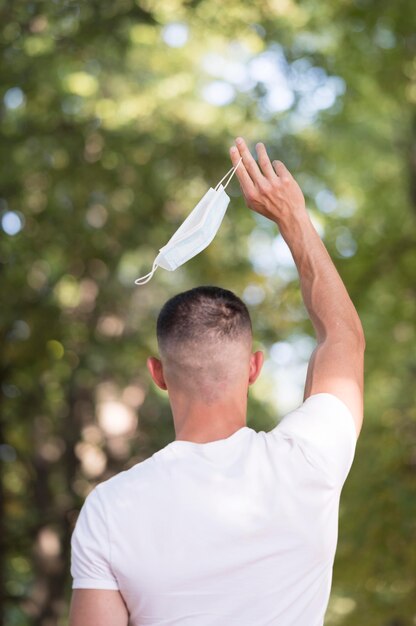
[272, 192]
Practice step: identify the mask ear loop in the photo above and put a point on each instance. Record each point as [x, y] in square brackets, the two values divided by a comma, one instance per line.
[233, 170]
[145, 279]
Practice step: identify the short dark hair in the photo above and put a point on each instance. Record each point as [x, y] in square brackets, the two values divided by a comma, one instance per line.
[205, 313]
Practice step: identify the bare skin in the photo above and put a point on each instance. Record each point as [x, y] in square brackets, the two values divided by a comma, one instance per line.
[200, 421]
[97, 607]
[336, 365]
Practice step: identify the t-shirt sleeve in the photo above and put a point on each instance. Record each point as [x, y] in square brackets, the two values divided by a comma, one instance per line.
[90, 548]
[323, 427]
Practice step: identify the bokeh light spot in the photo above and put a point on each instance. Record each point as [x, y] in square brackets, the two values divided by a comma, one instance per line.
[48, 542]
[14, 98]
[116, 418]
[326, 201]
[55, 348]
[12, 222]
[218, 93]
[345, 243]
[175, 34]
[253, 294]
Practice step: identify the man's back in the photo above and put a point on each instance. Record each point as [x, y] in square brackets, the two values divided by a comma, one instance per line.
[241, 530]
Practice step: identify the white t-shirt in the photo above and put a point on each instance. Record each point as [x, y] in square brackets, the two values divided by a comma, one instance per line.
[239, 531]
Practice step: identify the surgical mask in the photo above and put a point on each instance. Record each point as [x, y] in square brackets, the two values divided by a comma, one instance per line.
[196, 232]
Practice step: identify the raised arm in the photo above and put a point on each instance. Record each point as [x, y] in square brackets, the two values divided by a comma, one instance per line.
[337, 363]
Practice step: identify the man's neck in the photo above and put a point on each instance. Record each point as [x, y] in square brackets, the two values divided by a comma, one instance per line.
[201, 423]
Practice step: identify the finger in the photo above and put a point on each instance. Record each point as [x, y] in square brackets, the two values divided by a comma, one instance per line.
[241, 172]
[264, 161]
[249, 162]
[281, 170]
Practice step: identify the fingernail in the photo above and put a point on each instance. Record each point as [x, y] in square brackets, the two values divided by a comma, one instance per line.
[233, 149]
[239, 140]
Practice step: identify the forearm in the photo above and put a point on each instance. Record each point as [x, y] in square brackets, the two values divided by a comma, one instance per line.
[337, 364]
[326, 299]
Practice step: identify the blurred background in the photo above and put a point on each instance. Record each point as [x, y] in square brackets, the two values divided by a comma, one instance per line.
[116, 117]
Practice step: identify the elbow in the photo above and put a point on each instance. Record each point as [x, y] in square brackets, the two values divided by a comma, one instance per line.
[355, 331]
[351, 334]
[356, 338]
[360, 336]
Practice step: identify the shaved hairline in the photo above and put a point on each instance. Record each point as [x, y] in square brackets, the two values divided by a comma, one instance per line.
[207, 368]
[209, 342]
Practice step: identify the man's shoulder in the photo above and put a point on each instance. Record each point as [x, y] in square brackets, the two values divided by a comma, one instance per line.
[323, 428]
[138, 476]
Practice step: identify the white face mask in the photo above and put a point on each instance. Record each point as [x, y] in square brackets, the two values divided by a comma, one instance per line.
[196, 232]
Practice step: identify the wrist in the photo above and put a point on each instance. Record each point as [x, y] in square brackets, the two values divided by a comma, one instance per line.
[294, 227]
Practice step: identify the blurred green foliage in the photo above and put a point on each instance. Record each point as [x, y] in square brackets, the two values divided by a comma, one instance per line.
[115, 119]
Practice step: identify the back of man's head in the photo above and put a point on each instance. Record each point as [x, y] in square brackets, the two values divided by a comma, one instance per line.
[204, 337]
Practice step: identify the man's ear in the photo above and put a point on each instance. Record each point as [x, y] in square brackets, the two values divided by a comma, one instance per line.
[256, 363]
[155, 368]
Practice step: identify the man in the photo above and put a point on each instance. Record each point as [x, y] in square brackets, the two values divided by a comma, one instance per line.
[226, 525]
